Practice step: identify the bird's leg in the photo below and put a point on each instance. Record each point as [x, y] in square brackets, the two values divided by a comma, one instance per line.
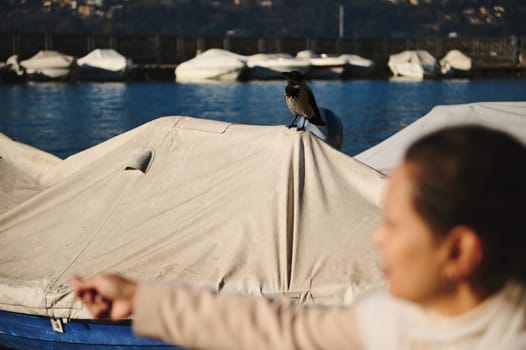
[293, 122]
[303, 125]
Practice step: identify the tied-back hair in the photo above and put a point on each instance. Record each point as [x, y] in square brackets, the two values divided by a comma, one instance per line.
[474, 176]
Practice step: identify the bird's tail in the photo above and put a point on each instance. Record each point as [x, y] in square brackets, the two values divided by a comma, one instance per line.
[316, 120]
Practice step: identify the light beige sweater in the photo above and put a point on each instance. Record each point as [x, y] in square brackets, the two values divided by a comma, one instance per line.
[204, 320]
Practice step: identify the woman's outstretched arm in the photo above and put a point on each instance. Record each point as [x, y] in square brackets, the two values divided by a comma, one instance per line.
[206, 320]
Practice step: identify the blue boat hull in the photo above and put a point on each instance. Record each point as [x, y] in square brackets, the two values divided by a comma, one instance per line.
[19, 331]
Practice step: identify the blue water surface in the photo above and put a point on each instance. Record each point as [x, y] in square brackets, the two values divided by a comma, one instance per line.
[64, 119]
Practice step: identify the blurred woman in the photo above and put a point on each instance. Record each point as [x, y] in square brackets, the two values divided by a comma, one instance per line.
[453, 245]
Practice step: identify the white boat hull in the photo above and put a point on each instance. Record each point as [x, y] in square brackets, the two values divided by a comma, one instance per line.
[357, 66]
[44, 74]
[88, 73]
[262, 66]
[264, 73]
[325, 72]
[325, 67]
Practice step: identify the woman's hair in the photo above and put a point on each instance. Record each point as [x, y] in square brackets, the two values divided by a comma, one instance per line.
[474, 176]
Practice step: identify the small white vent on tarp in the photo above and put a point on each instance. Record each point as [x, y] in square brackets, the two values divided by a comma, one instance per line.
[142, 161]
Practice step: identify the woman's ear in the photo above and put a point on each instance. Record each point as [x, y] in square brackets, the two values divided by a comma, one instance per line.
[464, 250]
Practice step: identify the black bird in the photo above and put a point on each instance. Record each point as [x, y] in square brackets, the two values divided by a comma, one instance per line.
[300, 100]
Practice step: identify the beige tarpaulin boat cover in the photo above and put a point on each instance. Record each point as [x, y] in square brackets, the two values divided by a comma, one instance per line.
[507, 116]
[237, 208]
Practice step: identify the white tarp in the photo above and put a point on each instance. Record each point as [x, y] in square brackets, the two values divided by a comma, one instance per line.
[22, 169]
[52, 64]
[107, 59]
[415, 64]
[455, 59]
[213, 64]
[246, 209]
[506, 116]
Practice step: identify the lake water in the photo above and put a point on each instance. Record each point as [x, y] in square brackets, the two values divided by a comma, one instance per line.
[64, 119]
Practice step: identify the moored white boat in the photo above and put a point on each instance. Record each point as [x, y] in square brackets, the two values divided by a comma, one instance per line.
[506, 116]
[270, 66]
[357, 66]
[48, 65]
[413, 64]
[103, 65]
[455, 64]
[323, 66]
[213, 64]
[173, 185]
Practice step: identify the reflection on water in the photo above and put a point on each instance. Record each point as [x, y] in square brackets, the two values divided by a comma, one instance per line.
[66, 118]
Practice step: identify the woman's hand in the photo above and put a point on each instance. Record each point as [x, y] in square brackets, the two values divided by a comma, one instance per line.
[106, 295]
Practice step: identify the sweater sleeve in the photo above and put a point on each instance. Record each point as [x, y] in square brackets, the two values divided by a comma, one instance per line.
[200, 319]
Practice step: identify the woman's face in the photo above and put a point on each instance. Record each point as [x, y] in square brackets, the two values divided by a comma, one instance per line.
[412, 257]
